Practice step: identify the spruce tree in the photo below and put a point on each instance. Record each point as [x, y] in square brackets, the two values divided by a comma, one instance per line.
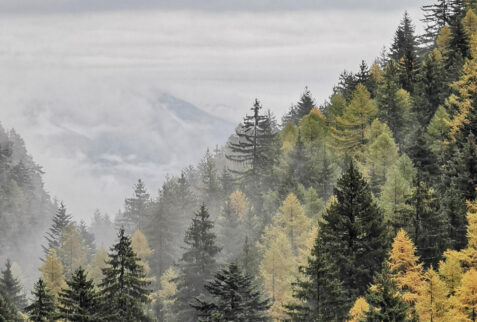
[436, 16]
[80, 301]
[318, 289]
[60, 221]
[8, 311]
[234, 298]
[12, 288]
[88, 239]
[124, 288]
[43, 307]
[196, 265]
[355, 234]
[302, 108]
[385, 302]
[135, 209]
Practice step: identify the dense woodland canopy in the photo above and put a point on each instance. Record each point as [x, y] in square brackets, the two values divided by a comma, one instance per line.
[362, 208]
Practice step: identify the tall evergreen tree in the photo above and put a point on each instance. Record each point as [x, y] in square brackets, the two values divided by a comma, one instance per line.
[318, 289]
[124, 288]
[8, 311]
[196, 265]
[234, 298]
[12, 288]
[355, 234]
[302, 108]
[436, 16]
[134, 213]
[88, 239]
[43, 307]
[80, 301]
[385, 302]
[60, 221]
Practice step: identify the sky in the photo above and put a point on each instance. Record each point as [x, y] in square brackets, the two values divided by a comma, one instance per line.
[88, 84]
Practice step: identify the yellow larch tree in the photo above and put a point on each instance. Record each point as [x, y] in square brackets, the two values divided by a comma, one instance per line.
[239, 204]
[469, 22]
[278, 270]
[98, 262]
[405, 267]
[52, 271]
[140, 246]
[292, 220]
[358, 312]
[451, 271]
[350, 131]
[166, 294]
[72, 252]
[444, 41]
[466, 295]
[433, 303]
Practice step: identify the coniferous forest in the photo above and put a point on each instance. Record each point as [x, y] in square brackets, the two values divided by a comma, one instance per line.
[362, 208]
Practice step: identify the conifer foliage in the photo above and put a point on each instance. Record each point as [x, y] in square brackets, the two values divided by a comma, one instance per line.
[124, 288]
[11, 288]
[235, 298]
[43, 307]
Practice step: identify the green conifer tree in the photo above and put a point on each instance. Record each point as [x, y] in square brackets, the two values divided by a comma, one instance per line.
[12, 288]
[60, 221]
[234, 298]
[43, 307]
[124, 287]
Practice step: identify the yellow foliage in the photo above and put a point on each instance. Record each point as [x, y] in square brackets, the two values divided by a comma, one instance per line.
[288, 136]
[466, 295]
[98, 262]
[432, 304]
[466, 88]
[278, 269]
[73, 252]
[451, 271]
[404, 266]
[376, 72]
[52, 273]
[444, 40]
[359, 309]
[292, 220]
[167, 292]
[473, 46]
[239, 204]
[469, 22]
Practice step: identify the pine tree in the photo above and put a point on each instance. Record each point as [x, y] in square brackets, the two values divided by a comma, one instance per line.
[196, 265]
[11, 288]
[385, 302]
[302, 108]
[52, 271]
[209, 186]
[403, 50]
[354, 231]
[43, 307]
[88, 239]
[253, 142]
[135, 209]
[80, 301]
[234, 298]
[60, 221]
[8, 311]
[124, 288]
[318, 290]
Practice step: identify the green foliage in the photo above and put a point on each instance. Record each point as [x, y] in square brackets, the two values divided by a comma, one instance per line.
[302, 108]
[11, 288]
[196, 265]
[80, 301]
[124, 288]
[135, 209]
[43, 307]
[234, 298]
[60, 221]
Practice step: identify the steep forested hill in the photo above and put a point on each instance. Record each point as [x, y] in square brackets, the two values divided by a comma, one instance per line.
[362, 208]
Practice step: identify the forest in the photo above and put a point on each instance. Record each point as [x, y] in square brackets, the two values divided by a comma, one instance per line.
[362, 208]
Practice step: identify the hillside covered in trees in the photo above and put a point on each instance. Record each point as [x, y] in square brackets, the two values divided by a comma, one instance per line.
[362, 208]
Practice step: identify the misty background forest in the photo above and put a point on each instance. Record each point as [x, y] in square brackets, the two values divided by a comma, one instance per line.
[361, 208]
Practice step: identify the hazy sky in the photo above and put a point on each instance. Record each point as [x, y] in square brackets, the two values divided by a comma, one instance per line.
[81, 80]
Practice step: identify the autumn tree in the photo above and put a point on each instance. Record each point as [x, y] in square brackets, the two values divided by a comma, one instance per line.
[96, 265]
[166, 296]
[72, 251]
[52, 271]
[432, 303]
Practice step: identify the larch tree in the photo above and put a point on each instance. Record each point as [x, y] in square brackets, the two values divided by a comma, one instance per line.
[451, 271]
[96, 265]
[140, 246]
[358, 311]
[466, 295]
[432, 304]
[405, 268]
[196, 265]
[124, 289]
[52, 272]
[72, 251]
[350, 130]
[166, 296]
